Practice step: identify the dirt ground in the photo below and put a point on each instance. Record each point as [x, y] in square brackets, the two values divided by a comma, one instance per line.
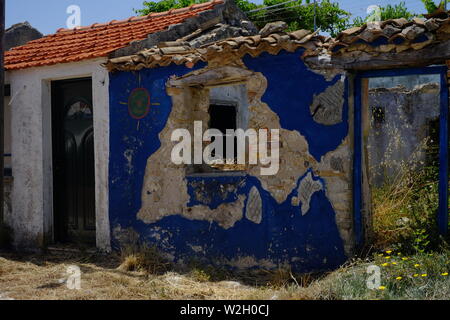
[44, 277]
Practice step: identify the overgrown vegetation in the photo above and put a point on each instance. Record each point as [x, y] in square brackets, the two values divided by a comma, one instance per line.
[405, 210]
[405, 207]
[395, 11]
[420, 276]
[330, 17]
[432, 7]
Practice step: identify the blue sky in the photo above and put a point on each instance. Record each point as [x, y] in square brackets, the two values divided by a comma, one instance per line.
[49, 15]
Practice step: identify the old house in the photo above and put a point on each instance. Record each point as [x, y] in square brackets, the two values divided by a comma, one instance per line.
[60, 123]
[93, 158]
[322, 94]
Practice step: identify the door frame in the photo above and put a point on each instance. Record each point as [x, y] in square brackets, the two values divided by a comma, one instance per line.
[39, 83]
[442, 218]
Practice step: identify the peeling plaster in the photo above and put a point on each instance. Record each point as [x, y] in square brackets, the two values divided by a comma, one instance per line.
[197, 221]
[254, 206]
[163, 179]
[308, 186]
[323, 66]
[338, 180]
[226, 215]
[327, 107]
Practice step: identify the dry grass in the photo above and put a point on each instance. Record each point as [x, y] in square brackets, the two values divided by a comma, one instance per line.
[38, 277]
[390, 206]
[403, 206]
[145, 258]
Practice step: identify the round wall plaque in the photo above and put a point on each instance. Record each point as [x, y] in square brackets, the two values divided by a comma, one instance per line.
[139, 103]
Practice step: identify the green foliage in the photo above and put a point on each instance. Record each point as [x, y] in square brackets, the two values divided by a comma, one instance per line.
[421, 242]
[165, 5]
[298, 15]
[431, 6]
[405, 211]
[403, 277]
[388, 12]
[396, 11]
[405, 207]
[246, 5]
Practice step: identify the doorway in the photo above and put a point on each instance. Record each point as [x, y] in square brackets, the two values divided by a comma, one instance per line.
[73, 162]
[401, 151]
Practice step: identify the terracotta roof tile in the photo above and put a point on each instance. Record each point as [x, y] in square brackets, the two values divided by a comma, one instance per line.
[180, 53]
[399, 32]
[97, 40]
[395, 35]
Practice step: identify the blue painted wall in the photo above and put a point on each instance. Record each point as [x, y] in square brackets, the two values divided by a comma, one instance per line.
[311, 242]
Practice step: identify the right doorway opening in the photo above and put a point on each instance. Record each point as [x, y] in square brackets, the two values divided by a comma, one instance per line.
[404, 165]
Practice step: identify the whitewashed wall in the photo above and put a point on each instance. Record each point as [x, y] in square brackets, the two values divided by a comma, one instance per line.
[32, 193]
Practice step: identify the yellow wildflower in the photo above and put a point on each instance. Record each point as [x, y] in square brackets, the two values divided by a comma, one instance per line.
[416, 275]
[389, 252]
[444, 274]
[404, 259]
[424, 275]
[398, 278]
[394, 263]
[417, 265]
[387, 257]
[381, 288]
[385, 264]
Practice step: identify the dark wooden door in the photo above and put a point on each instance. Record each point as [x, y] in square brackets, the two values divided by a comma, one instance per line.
[73, 161]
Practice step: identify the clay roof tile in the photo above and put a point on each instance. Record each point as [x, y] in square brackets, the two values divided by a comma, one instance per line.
[98, 39]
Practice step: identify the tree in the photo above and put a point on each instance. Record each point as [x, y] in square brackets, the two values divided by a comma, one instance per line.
[165, 5]
[385, 13]
[297, 14]
[300, 15]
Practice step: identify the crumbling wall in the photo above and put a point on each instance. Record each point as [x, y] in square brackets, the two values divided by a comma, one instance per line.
[400, 123]
[300, 216]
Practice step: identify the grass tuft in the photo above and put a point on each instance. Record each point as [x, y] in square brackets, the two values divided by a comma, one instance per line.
[143, 258]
